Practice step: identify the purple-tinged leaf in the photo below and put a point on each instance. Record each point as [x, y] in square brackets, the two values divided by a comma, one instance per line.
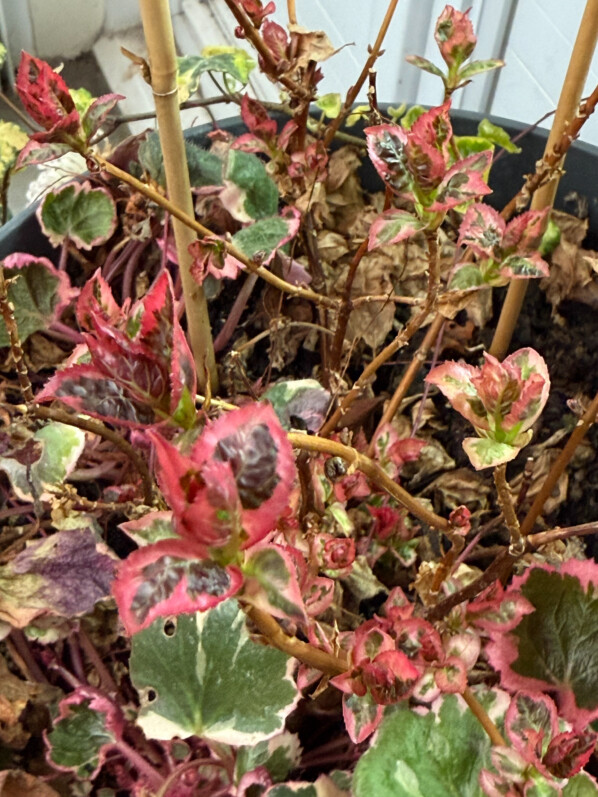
[569, 752]
[88, 390]
[87, 726]
[65, 574]
[274, 575]
[252, 440]
[392, 226]
[299, 403]
[166, 579]
[77, 212]
[38, 292]
[552, 649]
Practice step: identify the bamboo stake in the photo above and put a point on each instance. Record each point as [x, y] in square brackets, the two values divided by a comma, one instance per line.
[157, 27]
[575, 79]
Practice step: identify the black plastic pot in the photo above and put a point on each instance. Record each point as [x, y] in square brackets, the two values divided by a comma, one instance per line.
[23, 234]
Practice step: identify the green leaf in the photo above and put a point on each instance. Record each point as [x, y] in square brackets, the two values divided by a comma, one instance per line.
[477, 67]
[468, 276]
[423, 63]
[230, 61]
[61, 447]
[551, 238]
[497, 135]
[484, 452]
[77, 740]
[205, 168]
[279, 755]
[85, 215]
[3, 53]
[330, 104]
[259, 194]
[202, 675]
[12, 141]
[82, 99]
[262, 237]
[582, 785]
[439, 754]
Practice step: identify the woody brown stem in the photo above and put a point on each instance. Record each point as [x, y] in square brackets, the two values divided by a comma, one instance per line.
[335, 124]
[7, 311]
[517, 544]
[401, 339]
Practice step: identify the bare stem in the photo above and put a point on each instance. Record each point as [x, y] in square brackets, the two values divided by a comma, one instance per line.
[303, 651]
[159, 36]
[401, 339]
[7, 310]
[417, 361]
[372, 470]
[559, 466]
[517, 545]
[335, 124]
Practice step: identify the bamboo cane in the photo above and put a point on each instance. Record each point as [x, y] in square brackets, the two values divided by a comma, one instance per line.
[159, 37]
[575, 79]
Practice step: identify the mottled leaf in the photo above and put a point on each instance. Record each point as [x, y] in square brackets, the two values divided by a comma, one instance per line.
[299, 403]
[235, 690]
[80, 213]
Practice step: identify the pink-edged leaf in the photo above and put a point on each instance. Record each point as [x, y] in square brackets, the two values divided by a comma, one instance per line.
[454, 380]
[497, 610]
[524, 233]
[454, 36]
[530, 723]
[318, 595]
[482, 229]
[45, 96]
[463, 182]
[392, 226]
[247, 142]
[166, 579]
[451, 676]
[38, 291]
[88, 725]
[434, 128]
[96, 299]
[569, 752]
[552, 649]
[150, 528]
[271, 582]
[261, 457]
[90, 391]
[483, 452]
[532, 372]
[210, 258]
[520, 267]
[465, 646]
[387, 150]
[77, 212]
[36, 152]
[97, 112]
[206, 505]
[361, 715]
[256, 119]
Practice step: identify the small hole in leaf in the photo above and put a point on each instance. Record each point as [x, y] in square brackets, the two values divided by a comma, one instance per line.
[169, 627]
[151, 696]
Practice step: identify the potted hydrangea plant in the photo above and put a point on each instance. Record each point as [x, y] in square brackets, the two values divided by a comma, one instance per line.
[241, 555]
